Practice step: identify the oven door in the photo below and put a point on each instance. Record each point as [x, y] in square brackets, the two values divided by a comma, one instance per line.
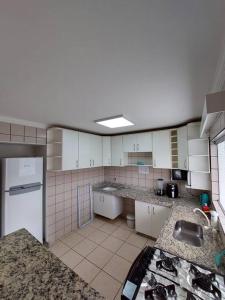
[136, 274]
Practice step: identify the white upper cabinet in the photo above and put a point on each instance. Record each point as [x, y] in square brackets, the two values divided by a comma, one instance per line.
[62, 149]
[69, 150]
[182, 138]
[162, 149]
[90, 150]
[140, 142]
[96, 150]
[117, 151]
[144, 142]
[106, 151]
[84, 150]
[129, 142]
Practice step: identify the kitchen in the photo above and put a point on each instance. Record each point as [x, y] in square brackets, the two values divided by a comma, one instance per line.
[121, 198]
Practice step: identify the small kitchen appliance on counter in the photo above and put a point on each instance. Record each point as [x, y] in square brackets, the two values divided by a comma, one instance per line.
[159, 187]
[172, 190]
[159, 275]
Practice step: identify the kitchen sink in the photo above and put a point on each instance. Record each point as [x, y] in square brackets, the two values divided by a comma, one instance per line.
[188, 232]
[109, 189]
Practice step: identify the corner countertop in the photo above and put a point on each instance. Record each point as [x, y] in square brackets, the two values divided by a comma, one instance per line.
[181, 209]
[29, 271]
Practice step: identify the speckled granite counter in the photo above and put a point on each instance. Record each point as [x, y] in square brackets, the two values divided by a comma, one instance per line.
[203, 255]
[29, 271]
[181, 209]
[135, 194]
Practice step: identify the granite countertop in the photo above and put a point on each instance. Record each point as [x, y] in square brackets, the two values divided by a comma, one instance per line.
[203, 255]
[29, 271]
[135, 194]
[181, 209]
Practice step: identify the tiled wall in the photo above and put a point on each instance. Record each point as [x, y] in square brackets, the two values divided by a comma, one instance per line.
[15, 133]
[61, 199]
[134, 176]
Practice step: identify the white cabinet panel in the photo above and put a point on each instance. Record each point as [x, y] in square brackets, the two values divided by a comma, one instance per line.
[149, 218]
[144, 142]
[160, 215]
[143, 217]
[182, 148]
[130, 143]
[106, 151]
[84, 150]
[69, 150]
[161, 149]
[106, 205]
[96, 150]
[139, 142]
[117, 150]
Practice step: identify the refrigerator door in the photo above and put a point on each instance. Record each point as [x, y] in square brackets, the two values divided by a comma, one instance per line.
[21, 171]
[24, 210]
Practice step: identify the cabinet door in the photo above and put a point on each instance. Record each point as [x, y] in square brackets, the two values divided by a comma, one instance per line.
[130, 143]
[144, 142]
[161, 149]
[96, 150]
[117, 150]
[98, 203]
[143, 217]
[69, 150]
[160, 215]
[106, 151]
[182, 148]
[112, 206]
[84, 150]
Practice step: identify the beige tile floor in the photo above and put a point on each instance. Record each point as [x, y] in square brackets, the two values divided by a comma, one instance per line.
[102, 253]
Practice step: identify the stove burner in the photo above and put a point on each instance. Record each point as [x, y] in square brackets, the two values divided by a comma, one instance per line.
[205, 282]
[190, 296]
[167, 263]
[158, 291]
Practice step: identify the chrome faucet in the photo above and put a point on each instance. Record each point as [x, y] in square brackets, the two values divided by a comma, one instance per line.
[195, 210]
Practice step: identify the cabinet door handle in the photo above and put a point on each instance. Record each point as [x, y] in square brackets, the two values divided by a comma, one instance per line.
[103, 199]
[154, 163]
[93, 162]
[185, 164]
[90, 162]
[153, 210]
[120, 161]
[77, 163]
[137, 147]
[134, 147]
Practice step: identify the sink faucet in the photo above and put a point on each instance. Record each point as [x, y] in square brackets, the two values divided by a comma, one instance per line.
[195, 210]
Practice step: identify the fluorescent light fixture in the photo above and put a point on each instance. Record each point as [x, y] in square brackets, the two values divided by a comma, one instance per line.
[114, 122]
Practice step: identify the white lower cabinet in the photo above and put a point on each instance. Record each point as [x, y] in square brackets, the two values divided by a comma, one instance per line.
[106, 205]
[150, 218]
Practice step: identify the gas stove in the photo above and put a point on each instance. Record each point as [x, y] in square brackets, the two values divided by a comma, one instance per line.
[159, 275]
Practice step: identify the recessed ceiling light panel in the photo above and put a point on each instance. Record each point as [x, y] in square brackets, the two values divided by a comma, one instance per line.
[115, 122]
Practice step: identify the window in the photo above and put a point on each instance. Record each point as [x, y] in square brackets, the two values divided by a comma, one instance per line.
[221, 164]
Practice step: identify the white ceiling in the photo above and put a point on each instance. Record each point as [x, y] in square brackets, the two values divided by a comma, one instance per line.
[73, 61]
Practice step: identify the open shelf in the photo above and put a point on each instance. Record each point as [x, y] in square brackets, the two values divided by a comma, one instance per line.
[139, 159]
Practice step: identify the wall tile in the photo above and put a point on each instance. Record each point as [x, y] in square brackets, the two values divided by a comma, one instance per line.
[29, 140]
[17, 129]
[4, 137]
[4, 128]
[30, 131]
[41, 133]
[17, 139]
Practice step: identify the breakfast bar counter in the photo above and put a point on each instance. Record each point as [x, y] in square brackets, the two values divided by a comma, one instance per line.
[29, 271]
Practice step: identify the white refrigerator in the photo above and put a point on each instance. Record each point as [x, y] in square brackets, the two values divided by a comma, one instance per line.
[22, 195]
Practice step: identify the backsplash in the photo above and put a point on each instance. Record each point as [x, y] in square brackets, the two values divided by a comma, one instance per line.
[134, 176]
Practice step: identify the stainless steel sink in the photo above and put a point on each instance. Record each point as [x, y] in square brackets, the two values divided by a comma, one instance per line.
[188, 232]
[109, 188]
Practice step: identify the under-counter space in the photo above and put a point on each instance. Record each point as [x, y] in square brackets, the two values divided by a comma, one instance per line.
[29, 271]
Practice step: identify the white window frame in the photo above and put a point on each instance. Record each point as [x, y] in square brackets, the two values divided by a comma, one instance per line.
[221, 171]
